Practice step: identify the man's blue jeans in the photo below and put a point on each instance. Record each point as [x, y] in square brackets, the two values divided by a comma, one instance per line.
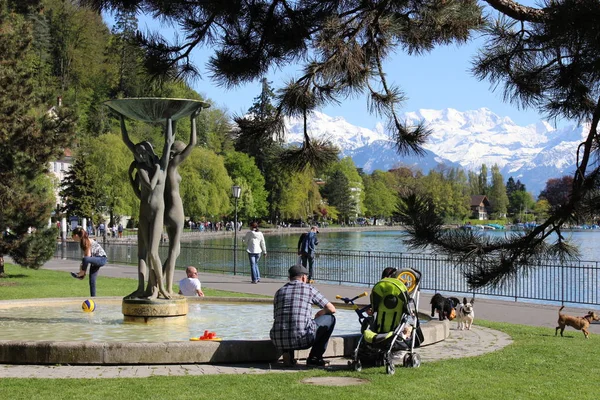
[254, 272]
[95, 263]
[325, 325]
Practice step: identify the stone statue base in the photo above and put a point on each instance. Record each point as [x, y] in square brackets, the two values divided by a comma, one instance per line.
[159, 311]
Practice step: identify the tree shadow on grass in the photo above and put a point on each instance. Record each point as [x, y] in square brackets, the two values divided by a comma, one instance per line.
[12, 276]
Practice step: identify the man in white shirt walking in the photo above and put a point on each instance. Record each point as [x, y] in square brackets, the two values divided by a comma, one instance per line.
[255, 242]
[190, 286]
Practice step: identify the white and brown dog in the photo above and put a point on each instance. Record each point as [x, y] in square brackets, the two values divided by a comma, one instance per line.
[465, 314]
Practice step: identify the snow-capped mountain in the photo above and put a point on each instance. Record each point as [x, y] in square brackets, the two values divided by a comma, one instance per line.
[532, 154]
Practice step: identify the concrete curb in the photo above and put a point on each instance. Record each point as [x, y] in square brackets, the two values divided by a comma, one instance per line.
[472, 343]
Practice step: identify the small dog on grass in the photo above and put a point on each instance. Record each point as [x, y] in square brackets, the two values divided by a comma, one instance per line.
[465, 314]
[445, 307]
[580, 323]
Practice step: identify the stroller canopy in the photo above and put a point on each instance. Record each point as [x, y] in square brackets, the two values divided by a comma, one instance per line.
[389, 299]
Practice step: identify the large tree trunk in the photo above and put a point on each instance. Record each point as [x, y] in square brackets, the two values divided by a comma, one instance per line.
[2, 274]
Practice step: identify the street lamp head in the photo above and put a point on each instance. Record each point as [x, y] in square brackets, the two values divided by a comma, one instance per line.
[236, 191]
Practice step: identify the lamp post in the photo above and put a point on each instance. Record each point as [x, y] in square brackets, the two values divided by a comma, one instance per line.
[236, 192]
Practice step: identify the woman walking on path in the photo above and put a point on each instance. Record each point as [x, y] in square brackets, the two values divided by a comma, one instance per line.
[93, 255]
[255, 242]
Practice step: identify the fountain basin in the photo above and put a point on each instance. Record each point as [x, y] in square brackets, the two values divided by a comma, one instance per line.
[160, 311]
[155, 110]
[167, 352]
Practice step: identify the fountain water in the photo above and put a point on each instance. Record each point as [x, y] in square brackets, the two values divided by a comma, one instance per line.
[57, 331]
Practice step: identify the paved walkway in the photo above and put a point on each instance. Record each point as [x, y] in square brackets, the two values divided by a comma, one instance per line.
[460, 344]
[471, 343]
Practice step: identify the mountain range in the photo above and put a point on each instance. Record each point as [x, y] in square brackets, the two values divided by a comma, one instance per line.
[532, 154]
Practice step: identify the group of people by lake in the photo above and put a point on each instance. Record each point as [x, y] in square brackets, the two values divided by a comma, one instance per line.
[210, 226]
[294, 327]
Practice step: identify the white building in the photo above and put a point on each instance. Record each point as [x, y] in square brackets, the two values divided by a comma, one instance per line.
[59, 169]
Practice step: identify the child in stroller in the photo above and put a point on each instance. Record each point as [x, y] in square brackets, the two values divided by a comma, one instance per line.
[389, 325]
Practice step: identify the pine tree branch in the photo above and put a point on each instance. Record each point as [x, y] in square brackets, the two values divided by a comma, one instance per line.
[517, 11]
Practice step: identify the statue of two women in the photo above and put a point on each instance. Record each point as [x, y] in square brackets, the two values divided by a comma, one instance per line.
[155, 182]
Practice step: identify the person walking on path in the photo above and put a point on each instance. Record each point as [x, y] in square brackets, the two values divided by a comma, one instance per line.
[93, 255]
[191, 285]
[306, 250]
[255, 245]
[293, 325]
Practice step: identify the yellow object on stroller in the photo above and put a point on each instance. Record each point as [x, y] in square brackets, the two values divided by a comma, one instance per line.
[390, 331]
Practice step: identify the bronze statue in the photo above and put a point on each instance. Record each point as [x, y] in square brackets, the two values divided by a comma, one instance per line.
[174, 215]
[149, 184]
[155, 182]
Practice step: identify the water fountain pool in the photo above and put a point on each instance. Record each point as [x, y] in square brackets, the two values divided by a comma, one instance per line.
[57, 331]
[230, 320]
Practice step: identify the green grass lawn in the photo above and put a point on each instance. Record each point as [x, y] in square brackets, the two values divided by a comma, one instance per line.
[30, 284]
[537, 365]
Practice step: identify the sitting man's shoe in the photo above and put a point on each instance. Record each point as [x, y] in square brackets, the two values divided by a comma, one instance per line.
[316, 362]
[76, 276]
[288, 359]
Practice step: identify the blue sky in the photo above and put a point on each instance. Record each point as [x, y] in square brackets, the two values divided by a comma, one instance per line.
[437, 80]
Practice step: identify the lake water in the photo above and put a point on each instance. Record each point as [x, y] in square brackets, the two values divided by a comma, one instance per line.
[358, 257]
[392, 241]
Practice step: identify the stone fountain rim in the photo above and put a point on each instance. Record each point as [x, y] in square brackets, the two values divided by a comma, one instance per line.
[145, 353]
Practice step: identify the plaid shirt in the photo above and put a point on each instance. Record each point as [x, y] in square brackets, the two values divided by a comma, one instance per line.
[293, 326]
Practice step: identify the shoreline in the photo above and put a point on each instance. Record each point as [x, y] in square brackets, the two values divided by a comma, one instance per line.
[286, 231]
[199, 236]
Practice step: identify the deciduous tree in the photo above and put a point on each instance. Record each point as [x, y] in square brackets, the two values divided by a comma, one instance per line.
[497, 194]
[557, 191]
[205, 185]
[244, 172]
[380, 198]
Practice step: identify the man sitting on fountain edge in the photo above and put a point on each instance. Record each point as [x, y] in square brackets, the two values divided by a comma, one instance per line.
[293, 325]
[190, 286]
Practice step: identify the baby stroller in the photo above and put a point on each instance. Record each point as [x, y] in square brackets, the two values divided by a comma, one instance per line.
[393, 327]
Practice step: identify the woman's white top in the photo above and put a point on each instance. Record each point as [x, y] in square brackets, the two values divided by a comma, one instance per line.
[255, 242]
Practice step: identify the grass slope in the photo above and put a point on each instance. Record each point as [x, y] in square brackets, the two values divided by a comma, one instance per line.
[23, 283]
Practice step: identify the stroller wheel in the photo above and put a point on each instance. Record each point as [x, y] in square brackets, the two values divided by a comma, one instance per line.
[407, 360]
[358, 366]
[390, 369]
[416, 361]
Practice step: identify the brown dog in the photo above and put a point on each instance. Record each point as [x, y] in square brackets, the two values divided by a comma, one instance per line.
[580, 323]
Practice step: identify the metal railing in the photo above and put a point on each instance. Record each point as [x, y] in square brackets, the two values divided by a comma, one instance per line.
[568, 283]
